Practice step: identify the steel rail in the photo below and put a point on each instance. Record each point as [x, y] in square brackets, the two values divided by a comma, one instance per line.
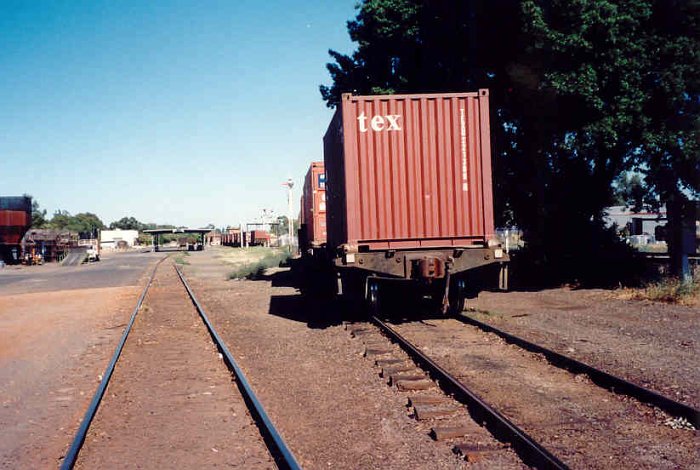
[501, 427]
[278, 448]
[601, 378]
[72, 454]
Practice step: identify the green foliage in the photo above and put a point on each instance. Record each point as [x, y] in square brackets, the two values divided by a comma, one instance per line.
[582, 91]
[127, 223]
[82, 222]
[630, 191]
[671, 290]
[180, 258]
[38, 215]
[256, 269]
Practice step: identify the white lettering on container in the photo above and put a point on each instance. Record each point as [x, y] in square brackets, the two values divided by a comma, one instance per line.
[463, 134]
[363, 120]
[379, 123]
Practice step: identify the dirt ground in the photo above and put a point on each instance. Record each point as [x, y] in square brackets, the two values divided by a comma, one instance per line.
[325, 398]
[53, 348]
[582, 424]
[171, 402]
[653, 344]
[327, 401]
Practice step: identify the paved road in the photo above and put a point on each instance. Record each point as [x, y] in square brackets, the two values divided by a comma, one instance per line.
[114, 270]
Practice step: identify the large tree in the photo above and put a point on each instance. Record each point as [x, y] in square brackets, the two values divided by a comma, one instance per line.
[127, 223]
[670, 156]
[82, 222]
[578, 89]
[38, 214]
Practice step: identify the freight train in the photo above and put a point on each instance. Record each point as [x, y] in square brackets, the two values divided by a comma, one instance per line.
[404, 198]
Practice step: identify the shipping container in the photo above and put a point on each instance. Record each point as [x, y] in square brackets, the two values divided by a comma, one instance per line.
[409, 171]
[15, 220]
[313, 208]
[409, 194]
[16, 203]
[12, 235]
[259, 238]
[232, 237]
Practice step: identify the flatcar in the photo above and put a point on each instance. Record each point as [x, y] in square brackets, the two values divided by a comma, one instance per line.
[409, 197]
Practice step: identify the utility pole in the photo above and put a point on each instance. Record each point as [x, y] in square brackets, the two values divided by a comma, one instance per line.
[290, 221]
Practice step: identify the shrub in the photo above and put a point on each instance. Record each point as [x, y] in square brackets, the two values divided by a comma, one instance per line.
[255, 270]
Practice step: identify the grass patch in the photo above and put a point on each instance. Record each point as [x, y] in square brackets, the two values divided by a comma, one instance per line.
[252, 265]
[669, 290]
[180, 258]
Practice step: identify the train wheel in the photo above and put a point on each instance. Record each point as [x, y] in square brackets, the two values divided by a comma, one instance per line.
[373, 298]
[456, 298]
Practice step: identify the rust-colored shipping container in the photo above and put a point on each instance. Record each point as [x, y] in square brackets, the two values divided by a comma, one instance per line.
[259, 237]
[409, 189]
[313, 206]
[232, 237]
[409, 171]
[15, 219]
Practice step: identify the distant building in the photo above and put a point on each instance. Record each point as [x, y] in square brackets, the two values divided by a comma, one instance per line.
[50, 244]
[118, 238]
[637, 223]
[213, 238]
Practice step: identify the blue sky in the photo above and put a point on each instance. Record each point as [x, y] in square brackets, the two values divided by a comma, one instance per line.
[178, 112]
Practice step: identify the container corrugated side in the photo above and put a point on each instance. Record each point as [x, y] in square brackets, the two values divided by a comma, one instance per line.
[10, 218]
[410, 171]
[314, 204]
[13, 226]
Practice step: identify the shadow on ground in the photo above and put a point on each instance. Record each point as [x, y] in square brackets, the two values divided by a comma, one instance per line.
[320, 309]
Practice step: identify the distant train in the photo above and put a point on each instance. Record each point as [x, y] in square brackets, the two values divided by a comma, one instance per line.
[405, 194]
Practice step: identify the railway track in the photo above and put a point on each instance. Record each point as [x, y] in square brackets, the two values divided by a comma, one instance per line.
[535, 434]
[501, 427]
[220, 389]
[602, 378]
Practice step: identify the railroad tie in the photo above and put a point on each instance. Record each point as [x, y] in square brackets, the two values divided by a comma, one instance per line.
[388, 361]
[396, 369]
[418, 400]
[473, 452]
[371, 352]
[399, 376]
[440, 433]
[433, 412]
[411, 385]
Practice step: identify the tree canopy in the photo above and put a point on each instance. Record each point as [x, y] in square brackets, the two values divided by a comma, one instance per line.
[127, 223]
[582, 91]
[82, 222]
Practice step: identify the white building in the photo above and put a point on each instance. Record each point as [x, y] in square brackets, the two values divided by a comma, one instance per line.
[118, 238]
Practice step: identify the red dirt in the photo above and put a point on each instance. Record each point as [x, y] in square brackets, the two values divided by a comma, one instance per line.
[53, 348]
[582, 424]
[171, 402]
[325, 398]
[653, 344]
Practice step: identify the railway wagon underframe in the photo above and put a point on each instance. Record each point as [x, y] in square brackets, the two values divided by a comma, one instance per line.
[448, 275]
